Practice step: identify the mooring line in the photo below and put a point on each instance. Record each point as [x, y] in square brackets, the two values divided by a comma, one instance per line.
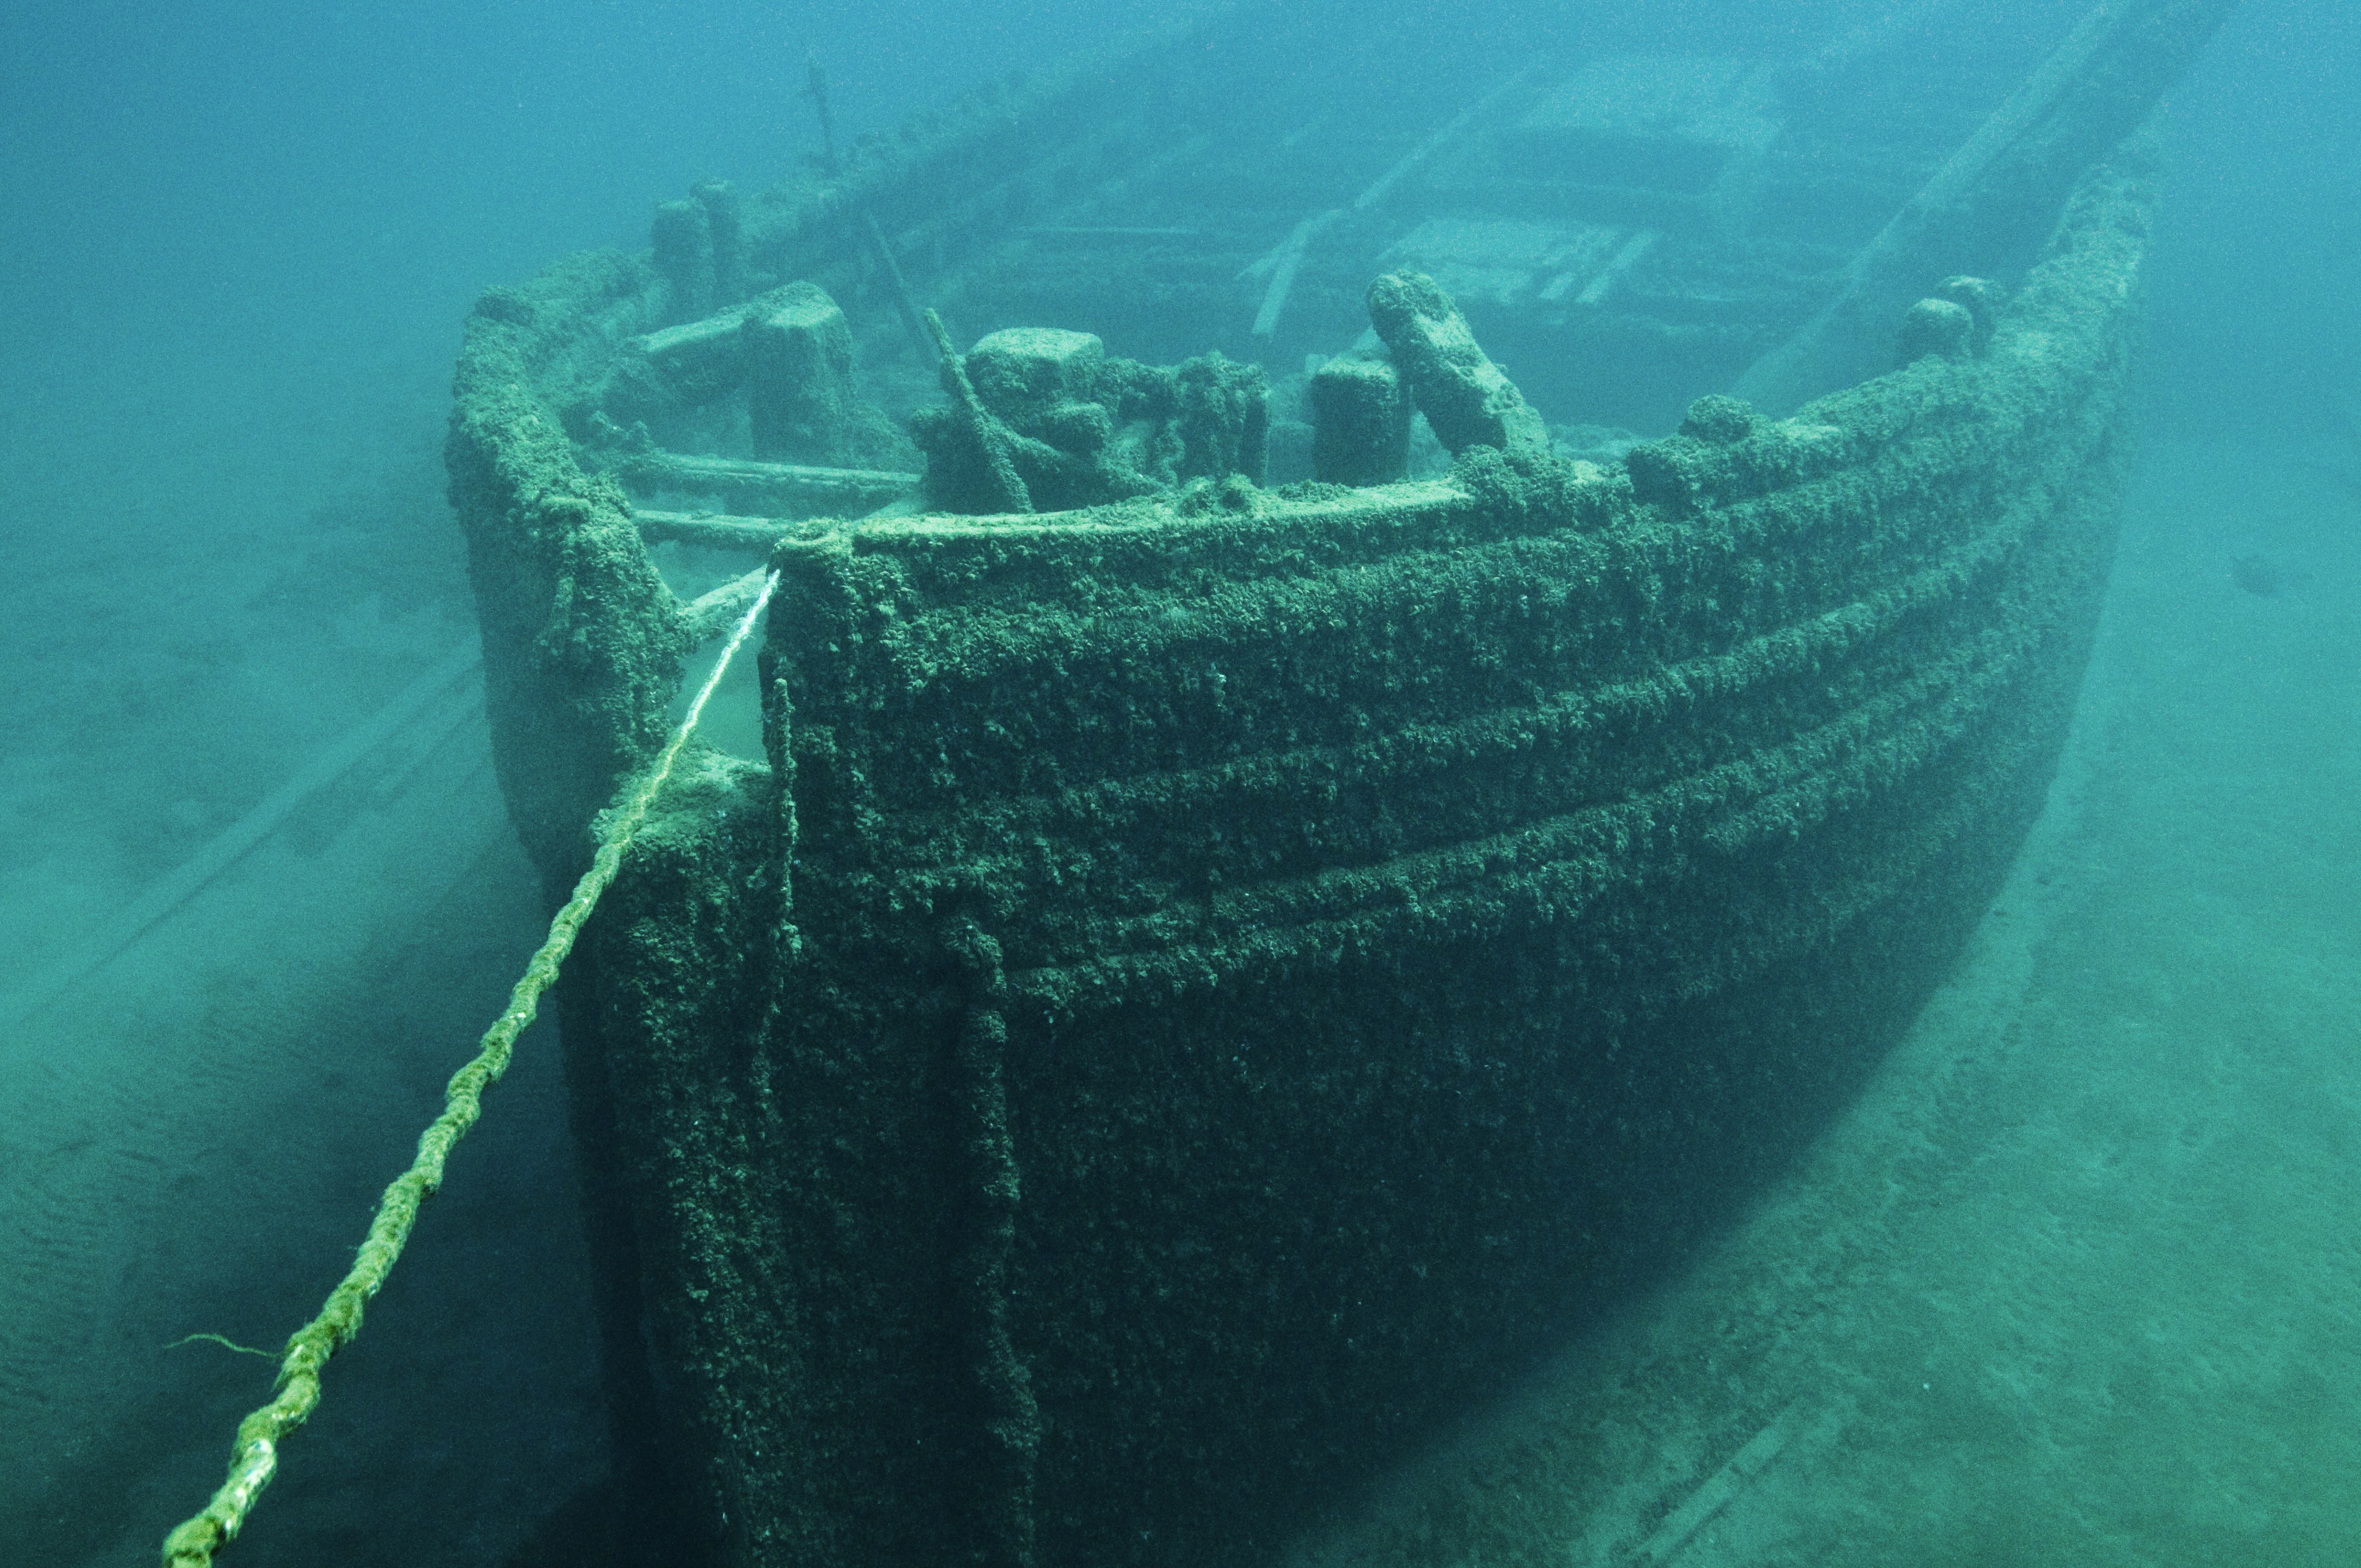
[256, 1458]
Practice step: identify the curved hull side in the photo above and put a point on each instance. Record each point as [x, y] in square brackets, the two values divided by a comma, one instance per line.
[1197, 996]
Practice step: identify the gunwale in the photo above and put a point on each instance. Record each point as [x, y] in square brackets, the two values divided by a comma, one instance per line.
[1789, 485]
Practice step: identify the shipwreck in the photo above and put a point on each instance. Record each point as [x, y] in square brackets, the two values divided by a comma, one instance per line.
[1263, 866]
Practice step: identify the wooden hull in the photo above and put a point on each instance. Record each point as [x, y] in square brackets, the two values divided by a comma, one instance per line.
[1197, 993]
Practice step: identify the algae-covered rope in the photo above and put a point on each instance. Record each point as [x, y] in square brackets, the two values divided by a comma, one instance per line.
[256, 1458]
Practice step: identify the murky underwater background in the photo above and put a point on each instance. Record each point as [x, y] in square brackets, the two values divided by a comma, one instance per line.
[2080, 1279]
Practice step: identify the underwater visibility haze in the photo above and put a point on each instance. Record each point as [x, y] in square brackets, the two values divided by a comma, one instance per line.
[1509, 782]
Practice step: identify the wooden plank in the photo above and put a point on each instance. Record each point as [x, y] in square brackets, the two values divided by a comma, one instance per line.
[1283, 260]
[710, 615]
[2091, 92]
[713, 531]
[1719, 1488]
[424, 697]
[790, 487]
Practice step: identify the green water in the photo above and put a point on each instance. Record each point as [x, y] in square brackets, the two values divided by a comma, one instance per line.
[2074, 1281]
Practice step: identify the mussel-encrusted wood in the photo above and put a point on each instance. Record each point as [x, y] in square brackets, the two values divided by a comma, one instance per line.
[1203, 988]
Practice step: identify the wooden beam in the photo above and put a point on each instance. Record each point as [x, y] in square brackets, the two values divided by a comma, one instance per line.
[714, 532]
[1997, 194]
[773, 489]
